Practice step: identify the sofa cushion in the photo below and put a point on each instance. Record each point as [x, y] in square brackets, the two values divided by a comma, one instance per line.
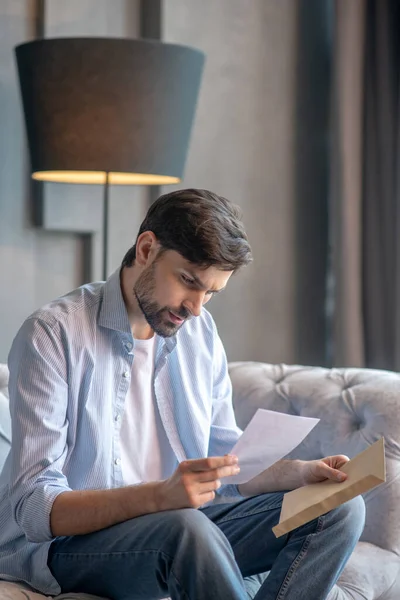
[370, 574]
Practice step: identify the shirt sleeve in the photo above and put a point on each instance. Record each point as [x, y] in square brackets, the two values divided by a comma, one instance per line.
[224, 430]
[38, 405]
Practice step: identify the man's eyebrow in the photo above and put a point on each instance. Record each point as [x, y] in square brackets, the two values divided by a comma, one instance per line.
[201, 285]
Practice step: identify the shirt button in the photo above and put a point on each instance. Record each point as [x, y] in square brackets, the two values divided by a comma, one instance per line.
[125, 374]
[117, 461]
[128, 346]
[117, 418]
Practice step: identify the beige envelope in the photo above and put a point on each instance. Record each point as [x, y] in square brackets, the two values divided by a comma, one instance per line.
[365, 471]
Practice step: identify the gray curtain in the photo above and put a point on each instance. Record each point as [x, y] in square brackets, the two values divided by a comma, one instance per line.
[364, 199]
[381, 224]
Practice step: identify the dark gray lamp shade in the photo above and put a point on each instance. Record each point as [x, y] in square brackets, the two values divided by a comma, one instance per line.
[108, 105]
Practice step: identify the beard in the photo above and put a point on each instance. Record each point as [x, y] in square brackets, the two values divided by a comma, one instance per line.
[157, 316]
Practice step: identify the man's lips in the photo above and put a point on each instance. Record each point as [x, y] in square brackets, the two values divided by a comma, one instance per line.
[175, 319]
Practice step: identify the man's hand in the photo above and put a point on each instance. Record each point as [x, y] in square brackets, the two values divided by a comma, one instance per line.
[194, 482]
[287, 475]
[326, 468]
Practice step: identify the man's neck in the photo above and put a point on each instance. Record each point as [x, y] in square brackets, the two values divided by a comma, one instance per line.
[141, 330]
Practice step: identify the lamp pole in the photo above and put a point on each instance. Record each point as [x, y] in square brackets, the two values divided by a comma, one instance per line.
[105, 223]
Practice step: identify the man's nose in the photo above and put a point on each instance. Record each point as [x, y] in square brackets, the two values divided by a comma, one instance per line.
[195, 303]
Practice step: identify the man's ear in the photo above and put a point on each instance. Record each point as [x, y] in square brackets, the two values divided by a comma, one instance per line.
[147, 248]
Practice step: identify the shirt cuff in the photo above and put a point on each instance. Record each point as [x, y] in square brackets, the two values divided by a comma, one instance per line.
[33, 512]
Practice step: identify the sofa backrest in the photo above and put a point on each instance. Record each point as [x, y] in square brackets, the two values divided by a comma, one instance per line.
[356, 407]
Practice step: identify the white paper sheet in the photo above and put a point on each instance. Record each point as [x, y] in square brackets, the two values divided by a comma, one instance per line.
[267, 438]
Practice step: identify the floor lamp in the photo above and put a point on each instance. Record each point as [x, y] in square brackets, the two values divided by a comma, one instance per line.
[110, 111]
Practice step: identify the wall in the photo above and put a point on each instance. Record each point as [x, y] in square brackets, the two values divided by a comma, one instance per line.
[259, 139]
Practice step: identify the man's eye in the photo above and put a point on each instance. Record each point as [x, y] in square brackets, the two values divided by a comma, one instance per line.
[187, 280]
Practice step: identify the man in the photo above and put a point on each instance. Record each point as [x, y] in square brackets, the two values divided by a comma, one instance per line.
[122, 430]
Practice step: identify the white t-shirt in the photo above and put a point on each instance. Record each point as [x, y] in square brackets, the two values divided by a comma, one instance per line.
[146, 454]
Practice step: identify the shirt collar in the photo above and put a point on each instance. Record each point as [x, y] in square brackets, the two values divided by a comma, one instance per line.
[113, 314]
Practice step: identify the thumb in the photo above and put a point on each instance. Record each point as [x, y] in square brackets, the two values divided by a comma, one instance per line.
[331, 473]
[336, 475]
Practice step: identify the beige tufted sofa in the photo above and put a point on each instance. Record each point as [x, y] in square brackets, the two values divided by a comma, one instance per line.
[356, 407]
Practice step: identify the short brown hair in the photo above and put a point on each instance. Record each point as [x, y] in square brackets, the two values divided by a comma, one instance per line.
[206, 229]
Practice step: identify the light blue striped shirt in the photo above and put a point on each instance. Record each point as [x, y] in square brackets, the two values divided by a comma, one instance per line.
[70, 366]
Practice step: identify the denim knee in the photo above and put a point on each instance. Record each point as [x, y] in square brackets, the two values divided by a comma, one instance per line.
[351, 515]
[193, 528]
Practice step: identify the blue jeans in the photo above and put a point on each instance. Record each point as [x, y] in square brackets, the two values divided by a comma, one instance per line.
[205, 554]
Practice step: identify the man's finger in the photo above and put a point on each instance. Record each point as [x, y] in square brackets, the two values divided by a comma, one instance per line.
[336, 462]
[214, 474]
[339, 461]
[329, 473]
[209, 463]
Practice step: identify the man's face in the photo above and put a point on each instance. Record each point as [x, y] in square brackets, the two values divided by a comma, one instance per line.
[172, 290]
